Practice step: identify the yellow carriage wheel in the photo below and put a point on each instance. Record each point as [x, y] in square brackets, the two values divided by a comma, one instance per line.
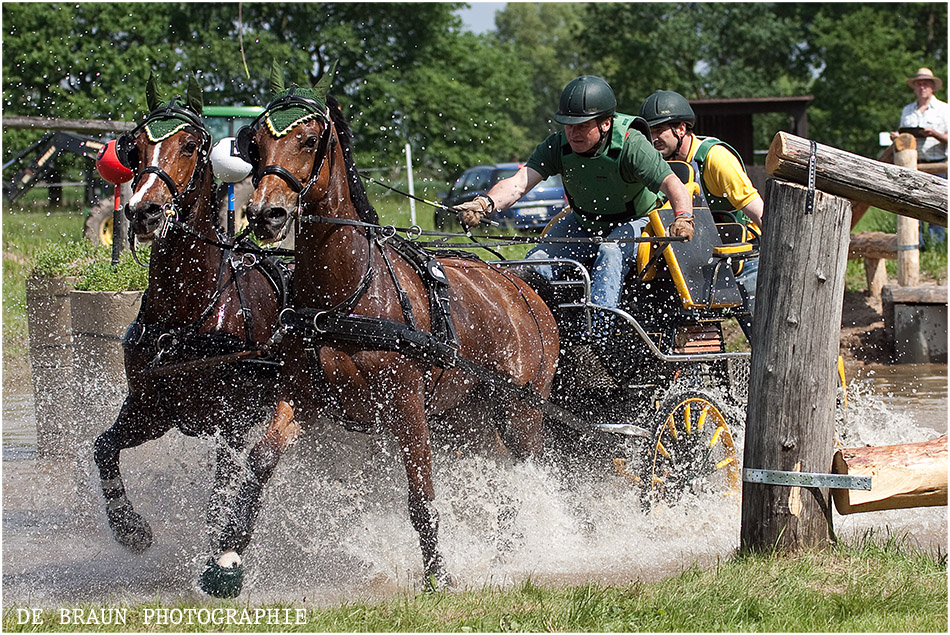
[693, 449]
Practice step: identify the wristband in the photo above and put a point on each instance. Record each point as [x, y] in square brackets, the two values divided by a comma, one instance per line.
[491, 203]
[683, 214]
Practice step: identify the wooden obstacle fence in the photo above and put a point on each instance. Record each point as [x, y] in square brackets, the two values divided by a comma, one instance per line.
[789, 446]
[876, 248]
[902, 476]
[903, 152]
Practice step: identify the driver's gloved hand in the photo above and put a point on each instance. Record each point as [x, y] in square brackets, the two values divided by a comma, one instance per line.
[682, 225]
[471, 213]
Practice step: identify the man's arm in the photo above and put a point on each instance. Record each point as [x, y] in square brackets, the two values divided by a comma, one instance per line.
[682, 204]
[936, 134]
[507, 191]
[677, 194]
[501, 195]
[755, 210]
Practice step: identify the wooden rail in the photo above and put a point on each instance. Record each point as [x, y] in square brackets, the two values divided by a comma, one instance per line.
[893, 188]
[73, 125]
[902, 476]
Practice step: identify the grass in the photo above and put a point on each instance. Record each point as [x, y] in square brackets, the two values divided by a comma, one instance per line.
[933, 258]
[875, 584]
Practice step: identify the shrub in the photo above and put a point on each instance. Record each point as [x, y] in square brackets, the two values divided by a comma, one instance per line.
[91, 266]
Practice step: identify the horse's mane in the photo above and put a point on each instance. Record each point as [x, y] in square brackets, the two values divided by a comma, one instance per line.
[357, 192]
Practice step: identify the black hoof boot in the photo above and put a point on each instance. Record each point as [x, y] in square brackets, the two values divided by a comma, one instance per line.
[220, 582]
[129, 528]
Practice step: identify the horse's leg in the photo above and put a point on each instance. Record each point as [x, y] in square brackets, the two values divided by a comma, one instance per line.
[228, 447]
[223, 575]
[128, 527]
[411, 430]
[523, 436]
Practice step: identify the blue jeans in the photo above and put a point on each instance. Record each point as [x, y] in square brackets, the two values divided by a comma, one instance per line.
[612, 261]
[748, 279]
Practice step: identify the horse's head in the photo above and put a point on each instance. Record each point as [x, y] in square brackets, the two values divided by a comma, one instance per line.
[168, 153]
[289, 146]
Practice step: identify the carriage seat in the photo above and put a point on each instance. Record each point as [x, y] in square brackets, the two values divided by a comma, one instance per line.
[700, 268]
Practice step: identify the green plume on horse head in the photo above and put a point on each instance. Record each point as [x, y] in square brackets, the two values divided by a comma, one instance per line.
[193, 97]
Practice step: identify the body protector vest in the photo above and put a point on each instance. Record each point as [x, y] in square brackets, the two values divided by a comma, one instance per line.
[594, 186]
[699, 164]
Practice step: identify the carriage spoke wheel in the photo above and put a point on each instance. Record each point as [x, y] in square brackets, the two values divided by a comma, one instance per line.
[693, 450]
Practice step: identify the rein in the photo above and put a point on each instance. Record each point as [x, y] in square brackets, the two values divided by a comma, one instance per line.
[415, 231]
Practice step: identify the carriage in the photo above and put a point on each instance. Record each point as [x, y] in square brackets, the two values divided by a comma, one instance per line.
[381, 334]
[662, 396]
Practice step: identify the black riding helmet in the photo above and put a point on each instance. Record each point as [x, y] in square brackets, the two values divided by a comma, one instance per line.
[584, 98]
[666, 106]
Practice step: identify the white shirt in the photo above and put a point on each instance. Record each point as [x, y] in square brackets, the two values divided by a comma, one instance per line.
[929, 149]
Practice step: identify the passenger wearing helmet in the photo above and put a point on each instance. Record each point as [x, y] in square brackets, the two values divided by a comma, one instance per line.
[612, 176]
[722, 175]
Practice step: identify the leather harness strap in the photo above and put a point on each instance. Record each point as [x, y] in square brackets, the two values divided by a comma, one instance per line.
[322, 328]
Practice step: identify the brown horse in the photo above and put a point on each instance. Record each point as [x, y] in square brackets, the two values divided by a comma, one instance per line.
[191, 356]
[368, 341]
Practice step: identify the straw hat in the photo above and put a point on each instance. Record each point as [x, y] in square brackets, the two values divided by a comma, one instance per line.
[922, 74]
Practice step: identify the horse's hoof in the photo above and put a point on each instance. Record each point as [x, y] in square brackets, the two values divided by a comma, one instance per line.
[130, 529]
[221, 582]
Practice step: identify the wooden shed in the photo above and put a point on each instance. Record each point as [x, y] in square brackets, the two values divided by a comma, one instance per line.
[731, 121]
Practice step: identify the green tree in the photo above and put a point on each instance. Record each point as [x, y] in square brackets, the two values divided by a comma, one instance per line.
[544, 35]
[862, 55]
[701, 50]
[405, 68]
[456, 110]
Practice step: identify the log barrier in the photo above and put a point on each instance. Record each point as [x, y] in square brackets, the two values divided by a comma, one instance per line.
[890, 187]
[789, 445]
[902, 476]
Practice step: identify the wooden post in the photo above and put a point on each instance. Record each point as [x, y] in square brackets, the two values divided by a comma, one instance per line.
[790, 416]
[875, 270]
[908, 229]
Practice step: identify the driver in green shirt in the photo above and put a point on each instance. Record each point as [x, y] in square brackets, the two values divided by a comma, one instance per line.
[612, 175]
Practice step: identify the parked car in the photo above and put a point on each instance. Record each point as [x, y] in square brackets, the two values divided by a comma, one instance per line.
[533, 211]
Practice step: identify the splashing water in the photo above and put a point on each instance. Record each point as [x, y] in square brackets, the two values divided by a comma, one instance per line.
[335, 526]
